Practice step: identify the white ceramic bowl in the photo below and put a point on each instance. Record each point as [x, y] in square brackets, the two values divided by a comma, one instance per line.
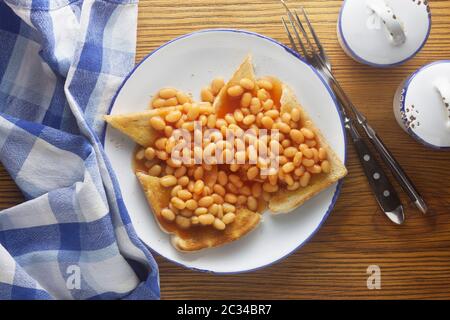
[189, 63]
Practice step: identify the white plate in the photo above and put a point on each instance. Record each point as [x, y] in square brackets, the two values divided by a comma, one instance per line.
[189, 63]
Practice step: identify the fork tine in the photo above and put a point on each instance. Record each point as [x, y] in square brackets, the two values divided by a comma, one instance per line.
[289, 35]
[313, 32]
[299, 39]
[305, 34]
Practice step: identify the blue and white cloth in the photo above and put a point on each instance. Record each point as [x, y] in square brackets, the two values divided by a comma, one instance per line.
[61, 61]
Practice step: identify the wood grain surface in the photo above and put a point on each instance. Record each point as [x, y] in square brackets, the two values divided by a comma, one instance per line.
[414, 258]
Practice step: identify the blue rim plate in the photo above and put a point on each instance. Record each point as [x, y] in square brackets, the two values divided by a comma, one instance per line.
[189, 63]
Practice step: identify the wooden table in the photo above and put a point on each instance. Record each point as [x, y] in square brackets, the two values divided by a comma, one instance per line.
[414, 258]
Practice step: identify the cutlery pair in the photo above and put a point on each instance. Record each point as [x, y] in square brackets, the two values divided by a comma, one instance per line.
[313, 52]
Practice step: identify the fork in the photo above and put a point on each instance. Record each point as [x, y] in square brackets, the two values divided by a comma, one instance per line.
[314, 53]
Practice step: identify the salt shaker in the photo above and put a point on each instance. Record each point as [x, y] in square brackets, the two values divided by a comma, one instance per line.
[422, 105]
[383, 33]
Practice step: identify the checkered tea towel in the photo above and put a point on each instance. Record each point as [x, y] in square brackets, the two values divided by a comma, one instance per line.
[61, 61]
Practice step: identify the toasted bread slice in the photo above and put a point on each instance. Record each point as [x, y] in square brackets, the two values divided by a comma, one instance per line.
[285, 201]
[137, 125]
[245, 70]
[194, 239]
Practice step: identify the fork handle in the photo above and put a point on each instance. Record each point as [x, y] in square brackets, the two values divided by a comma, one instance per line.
[396, 169]
[383, 190]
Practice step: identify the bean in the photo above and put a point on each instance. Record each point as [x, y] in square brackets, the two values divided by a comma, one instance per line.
[298, 159]
[289, 180]
[218, 224]
[238, 116]
[198, 186]
[284, 127]
[308, 162]
[290, 152]
[217, 85]
[206, 219]
[193, 112]
[265, 84]
[228, 207]
[201, 211]
[256, 190]
[206, 201]
[246, 100]
[183, 181]
[181, 171]
[183, 222]
[175, 190]
[247, 84]
[167, 93]
[295, 114]
[316, 155]
[230, 198]
[307, 152]
[184, 195]
[140, 155]
[182, 98]
[294, 186]
[309, 134]
[158, 103]
[168, 214]
[157, 123]
[267, 122]
[322, 154]
[168, 181]
[297, 136]
[161, 143]
[234, 179]
[198, 173]
[304, 179]
[173, 116]
[288, 167]
[172, 102]
[191, 204]
[255, 106]
[195, 220]
[229, 118]
[252, 203]
[241, 199]
[286, 117]
[214, 209]
[222, 178]
[272, 113]
[186, 213]
[311, 143]
[315, 169]
[299, 171]
[326, 167]
[229, 218]
[248, 120]
[263, 95]
[178, 203]
[207, 95]
[252, 173]
[219, 189]
[268, 104]
[162, 155]
[235, 91]
[270, 188]
[155, 171]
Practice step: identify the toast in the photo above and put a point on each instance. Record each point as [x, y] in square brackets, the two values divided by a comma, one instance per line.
[193, 239]
[285, 201]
